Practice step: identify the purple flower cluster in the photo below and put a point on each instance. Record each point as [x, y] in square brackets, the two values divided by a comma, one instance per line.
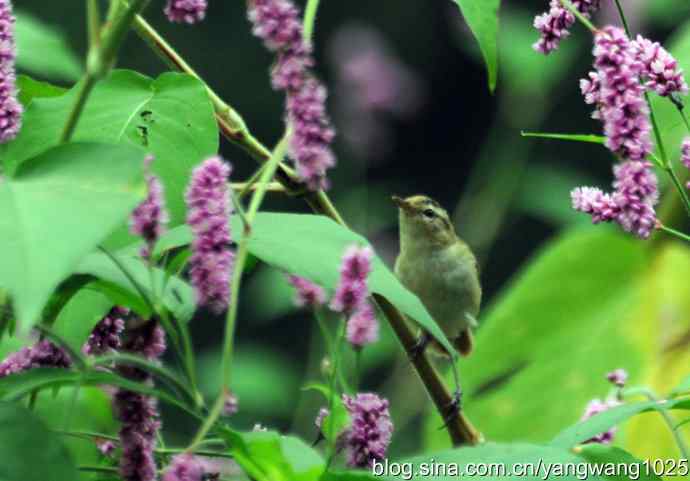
[371, 430]
[42, 354]
[351, 292]
[107, 335]
[685, 155]
[10, 108]
[631, 204]
[620, 98]
[185, 467]
[186, 11]
[554, 25]
[660, 70]
[595, 407]
[362, 327]
[208, 216]
[150, 218]
[618, 377]
[306, 292]
[137, 412]
[278, 24]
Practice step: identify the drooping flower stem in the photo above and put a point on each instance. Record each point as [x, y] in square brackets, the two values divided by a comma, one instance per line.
[461, 430]
[235, 284]
[569, 5]
[679, 186]
[93, 23]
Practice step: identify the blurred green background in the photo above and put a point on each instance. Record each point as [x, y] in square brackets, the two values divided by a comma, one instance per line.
[594, 299]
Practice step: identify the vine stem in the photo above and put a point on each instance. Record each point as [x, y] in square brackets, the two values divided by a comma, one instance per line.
[649, 394]
[460, 429]
[101, 56]
[673, 232]
[573, 9]
[235, 283]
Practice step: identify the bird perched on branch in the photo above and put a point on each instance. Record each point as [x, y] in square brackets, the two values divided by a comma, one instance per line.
[440, 269]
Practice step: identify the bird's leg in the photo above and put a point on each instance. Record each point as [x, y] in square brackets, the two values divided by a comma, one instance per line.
[419, 346]
[454, 407]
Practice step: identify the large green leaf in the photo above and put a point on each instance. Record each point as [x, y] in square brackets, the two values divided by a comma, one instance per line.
[619, 464]
[545, 346]
[43, 49]
[170, 117]
[482, 18]
[269, 456]
[29, 451]
[56, 209]
[311, 246]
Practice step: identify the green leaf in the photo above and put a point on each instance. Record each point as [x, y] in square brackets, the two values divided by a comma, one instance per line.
[30, 89]
[591, 138]
[602, 422]
[556, 330]
[495, 462]
[268, 456]
[80, 315]
[482, 18]
[170, 117]
[56, 209]
[311, 246]
[43, 49]
[16, 386]
[178, 297]
[29, 451]
[338, 421]
[616, 463]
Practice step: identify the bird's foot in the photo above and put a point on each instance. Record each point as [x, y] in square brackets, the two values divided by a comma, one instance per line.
[452, 410]
[419, 346]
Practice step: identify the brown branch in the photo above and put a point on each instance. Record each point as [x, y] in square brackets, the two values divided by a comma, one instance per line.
[232, 127]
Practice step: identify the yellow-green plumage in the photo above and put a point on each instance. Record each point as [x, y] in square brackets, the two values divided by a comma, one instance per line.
[439, 268]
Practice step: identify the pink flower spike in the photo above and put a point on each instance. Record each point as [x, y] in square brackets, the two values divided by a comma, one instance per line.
[661, 72]
[362, 327]
[208, 212]
[184, 467]
[371, 430]
[10, 108]
[186, 11]
[554, 24]
[150, 219]
[618, 377]
[306, 292]
[595, 407]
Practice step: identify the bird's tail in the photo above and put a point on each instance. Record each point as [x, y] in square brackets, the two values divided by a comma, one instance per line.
[464, 343]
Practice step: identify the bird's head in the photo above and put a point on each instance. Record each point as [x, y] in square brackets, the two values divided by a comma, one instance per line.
[423, 220]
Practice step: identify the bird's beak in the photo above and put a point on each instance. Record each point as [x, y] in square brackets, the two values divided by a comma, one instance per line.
[401, 203]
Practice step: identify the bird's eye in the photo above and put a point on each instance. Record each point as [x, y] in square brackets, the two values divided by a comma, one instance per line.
[429, 214]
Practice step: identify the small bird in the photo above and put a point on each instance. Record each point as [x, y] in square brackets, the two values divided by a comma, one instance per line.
[440, 269]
